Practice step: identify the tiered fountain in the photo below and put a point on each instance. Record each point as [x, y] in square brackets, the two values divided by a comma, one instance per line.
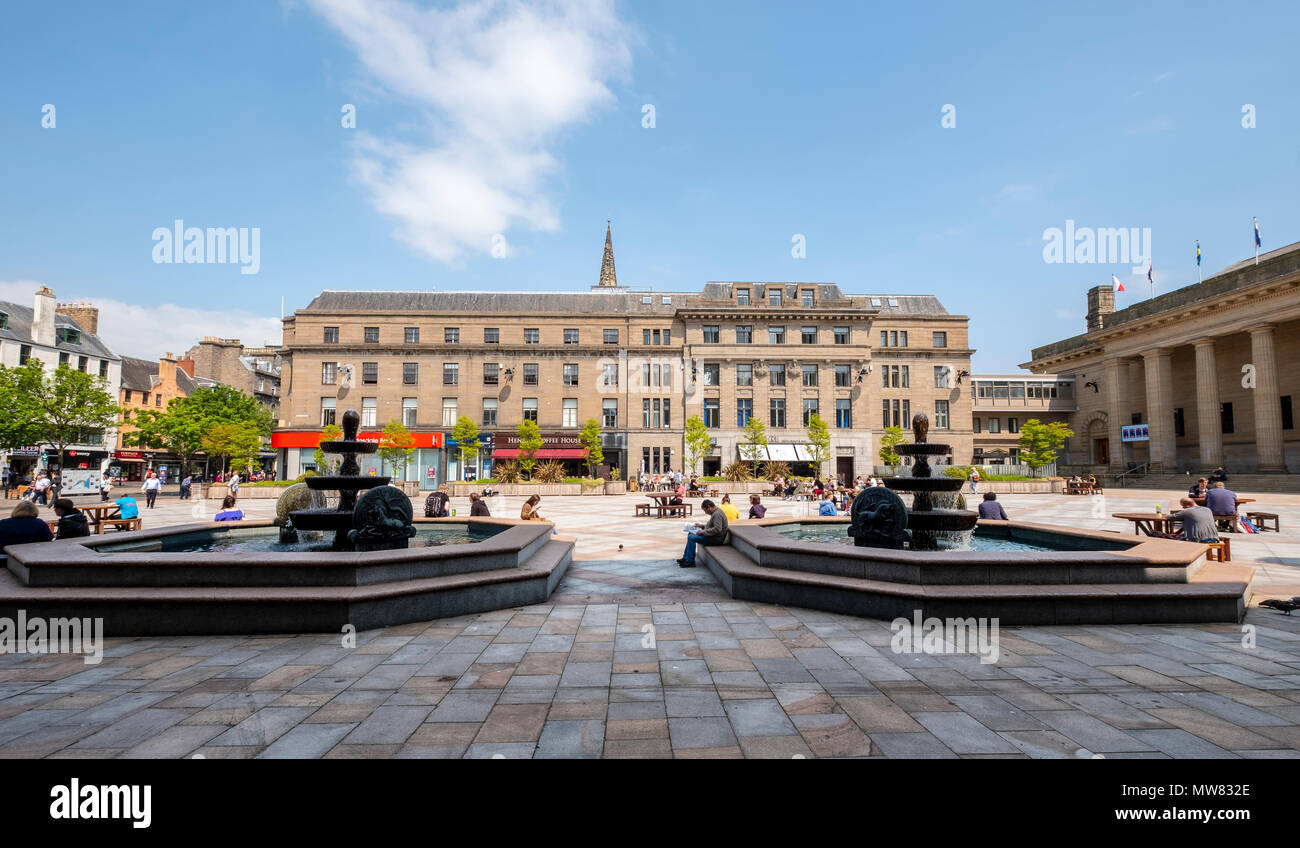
[877, 521]
[347, 483]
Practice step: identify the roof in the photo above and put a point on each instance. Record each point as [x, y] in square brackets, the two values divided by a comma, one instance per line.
[20, 330]
[139, 374]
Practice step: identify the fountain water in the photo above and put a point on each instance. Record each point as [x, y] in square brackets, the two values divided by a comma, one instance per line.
[347, 483]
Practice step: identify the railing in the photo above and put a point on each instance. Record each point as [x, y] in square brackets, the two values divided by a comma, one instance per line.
[1132, 474]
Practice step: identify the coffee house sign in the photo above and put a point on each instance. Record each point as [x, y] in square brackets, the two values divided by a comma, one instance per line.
[550, 441]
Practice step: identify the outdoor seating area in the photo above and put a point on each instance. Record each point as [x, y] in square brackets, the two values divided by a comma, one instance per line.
[1082, 486]
[662, 508]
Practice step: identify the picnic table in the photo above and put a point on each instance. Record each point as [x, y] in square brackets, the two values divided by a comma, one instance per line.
[1148, 522]
[1230, 519]
[661, 506]
[1078, 487]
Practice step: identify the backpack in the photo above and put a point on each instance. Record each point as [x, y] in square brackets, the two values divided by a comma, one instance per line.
[435, 506]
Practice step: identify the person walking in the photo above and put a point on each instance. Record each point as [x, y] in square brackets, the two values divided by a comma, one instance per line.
[715, 532]
[150, 488]
[6, 477]
[186, 491]
[233, 485]
[974, 481]
[105, 486]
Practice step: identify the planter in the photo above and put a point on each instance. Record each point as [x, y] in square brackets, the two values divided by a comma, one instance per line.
[616, 487]
[516, 489]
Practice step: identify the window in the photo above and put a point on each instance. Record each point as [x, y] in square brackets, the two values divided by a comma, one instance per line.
[745, 334]
[646, 299]
[530, 373]
[570, 336]
[776, 375]
[1136, 418]
[904, 377]
[532, 335]
[1178, 422]
[1288, 423]
[742, 297]
[941, 376]
[744, 411]
[610, 412]
[411, 335]
[83, 363]
[370, 373]
[1225, 418]
[884, 419]
[940, 339]
[369, 411]
[776, 413]
[63, 358]
[774, 297]
[157, 400]
[809, 335]
[372, 335]
[570, 412]
[24, 354]
[710, 335]
[328, 373]
[657, 337]
[491, 335]
[331, 335]
[776, 335]
[995, 425]
[902, 336]
[327, 406]
[843, 413]
[610, 377]
[450, 412]
[570, 375]
[810, 375]
[668, 339]
[491, 373]
[4, 320]
[645, 337]
[975, 427]
[68, 335]
[841, 335]
[875, 301]
[530, 409]
[126, 397]
[611, 337]
[712, 374]
[410, 411]
[410, 373]
[666, 300]
[489, 412]
[450, 374]
[451, 335]
[806, 297]
[809, 410]
[744, 375]
[941, 417]
[645, 413]
[893, 301]
[103, 369]
[145, 398]
[843, 376]
[711, 412]
[884, 338]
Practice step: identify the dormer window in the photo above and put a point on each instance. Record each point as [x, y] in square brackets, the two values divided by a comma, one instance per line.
[742, 297]
[774, 297]
[875, 301]
[807, 297]
[67, 335]
[4, 320]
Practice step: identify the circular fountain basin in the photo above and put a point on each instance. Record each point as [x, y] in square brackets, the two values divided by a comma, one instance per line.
[341, 484]
[950, 520]
[834, 533]
[267, 540]
[322, 519]
[920, 484]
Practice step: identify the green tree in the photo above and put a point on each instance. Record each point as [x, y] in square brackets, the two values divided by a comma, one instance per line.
[892, 438]
[236, 442]
[1040, 442]
[530, 442]
[180, 428]
[698, 440]
[466, 435]
[819, 440]
[330, 433]
[19, 389]
[62, 408]
[397, 446]
[590, 439]
[754, 446]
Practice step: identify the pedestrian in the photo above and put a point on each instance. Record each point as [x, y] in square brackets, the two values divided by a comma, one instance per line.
[477, 506]
[974, 481]
[186, 491]
[105, 486]
[713, 533]
[150, 488]
[233, 485]
[990, 508]
[7, 477]
[72, 521]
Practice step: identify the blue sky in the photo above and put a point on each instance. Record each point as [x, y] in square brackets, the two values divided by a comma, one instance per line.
[481, 118]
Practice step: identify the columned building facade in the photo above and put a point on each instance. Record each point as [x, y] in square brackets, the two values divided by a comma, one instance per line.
[1210, 370]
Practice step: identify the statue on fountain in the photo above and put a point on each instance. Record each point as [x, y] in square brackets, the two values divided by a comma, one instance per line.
[879, 519]
[382, 520]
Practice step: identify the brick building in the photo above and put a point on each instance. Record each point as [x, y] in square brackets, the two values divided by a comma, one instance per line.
[150, 385]
[638, 361]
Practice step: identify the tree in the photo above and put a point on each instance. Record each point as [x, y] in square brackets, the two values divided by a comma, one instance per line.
[1040, 442]
[530, 442]
[65, 408]
[892, 438]
[330, 433]
[396, 446]
[19, 388]
[590, 439]
[238, 442]
[466, 435]
[698, 440]
[754, 446]
[819, 440]
[181, 427]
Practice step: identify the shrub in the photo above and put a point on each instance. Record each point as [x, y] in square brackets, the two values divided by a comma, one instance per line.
[549, 471]
[508, 471]
[736, 472]
[775, 469]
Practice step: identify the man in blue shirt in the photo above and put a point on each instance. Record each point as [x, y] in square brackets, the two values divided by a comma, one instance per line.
[1221, 500]
[127, 507]
[827, 506]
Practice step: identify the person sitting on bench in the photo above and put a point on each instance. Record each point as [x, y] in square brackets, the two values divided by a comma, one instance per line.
[24, 525]
[435, 506]
[713, 533]
[1198, 522]
[228, 511]
[127, 507]
[72, 521]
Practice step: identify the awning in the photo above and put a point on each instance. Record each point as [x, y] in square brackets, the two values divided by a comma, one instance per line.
[543, 453]
[782, 453]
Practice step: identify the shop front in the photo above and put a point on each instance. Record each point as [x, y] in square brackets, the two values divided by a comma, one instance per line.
[24, 461]
[295, 455]
[561, 447]
[478, 465]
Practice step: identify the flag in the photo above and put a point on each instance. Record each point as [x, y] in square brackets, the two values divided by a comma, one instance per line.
[1198, 253]
[1149, 269]
[1116, 284]
[1256, 232]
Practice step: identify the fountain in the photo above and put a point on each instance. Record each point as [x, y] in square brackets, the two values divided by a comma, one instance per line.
[876, 514]
[347, 483]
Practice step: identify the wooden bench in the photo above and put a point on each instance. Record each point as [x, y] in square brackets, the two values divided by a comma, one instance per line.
[1220, 551]
[1259, 519]
[643, 509]
[1227, 522]
[675, 509]
[119, 524]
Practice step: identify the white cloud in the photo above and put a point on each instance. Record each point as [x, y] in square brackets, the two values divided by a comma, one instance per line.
[499, 80]
[148, 331]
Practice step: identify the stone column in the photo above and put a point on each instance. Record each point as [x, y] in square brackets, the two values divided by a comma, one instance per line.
[1117, 380]
[1160, 415]
[1268, 409]
[1209, 425]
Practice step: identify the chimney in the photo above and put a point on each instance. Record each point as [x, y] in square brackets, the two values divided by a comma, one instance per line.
[43, 318]
[186, 365]
[166, 369]
[1101, 302]
[84, 314]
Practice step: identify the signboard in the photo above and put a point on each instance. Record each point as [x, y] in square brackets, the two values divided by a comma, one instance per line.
[296, 439]
[76, 481]
[549, 440]
[1135, 433]
[130, 454]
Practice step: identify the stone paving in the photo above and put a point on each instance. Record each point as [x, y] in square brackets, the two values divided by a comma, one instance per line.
[634, 657]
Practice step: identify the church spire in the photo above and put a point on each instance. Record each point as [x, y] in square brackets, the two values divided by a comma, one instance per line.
[607, 276]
